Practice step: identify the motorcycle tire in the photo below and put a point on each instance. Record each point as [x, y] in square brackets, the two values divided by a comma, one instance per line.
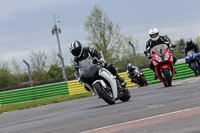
[140, 81]
[194, 68]
[104, 94]
[165, 85]
[126, 95]
[144, 81]
[167, 77]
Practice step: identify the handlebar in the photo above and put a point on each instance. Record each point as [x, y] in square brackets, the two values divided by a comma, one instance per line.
[146, 51]
[99, 62]
[173, 45]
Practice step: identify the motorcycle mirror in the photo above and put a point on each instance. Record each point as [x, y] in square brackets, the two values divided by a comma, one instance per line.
[173, 46]
[145, 52]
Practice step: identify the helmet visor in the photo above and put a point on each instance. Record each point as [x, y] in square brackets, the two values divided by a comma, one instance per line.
[129, 68]
[154, 35]
[77, 51]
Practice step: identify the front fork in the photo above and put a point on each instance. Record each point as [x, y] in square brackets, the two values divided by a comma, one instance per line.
[196, 63]
[120, 89]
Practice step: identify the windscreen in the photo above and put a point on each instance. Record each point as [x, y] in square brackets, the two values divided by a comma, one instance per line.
[87, 68]
[86, 63]
[160, 49]
[190, 52]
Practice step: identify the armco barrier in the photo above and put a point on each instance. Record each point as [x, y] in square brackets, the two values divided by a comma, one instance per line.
[33, 93]
[183, 71]
[75, 87]
[45, 91]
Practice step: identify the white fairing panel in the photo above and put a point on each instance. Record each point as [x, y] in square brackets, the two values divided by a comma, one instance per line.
[111, 79]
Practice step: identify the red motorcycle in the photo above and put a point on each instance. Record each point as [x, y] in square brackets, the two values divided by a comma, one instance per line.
[163, 63]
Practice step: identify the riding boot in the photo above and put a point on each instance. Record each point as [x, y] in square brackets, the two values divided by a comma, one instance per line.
[155, 76]
[175, 71]
[174, 61]
[121, 80]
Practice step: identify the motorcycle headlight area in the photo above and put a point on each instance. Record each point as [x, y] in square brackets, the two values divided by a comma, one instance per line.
[166, 56]
[187, 58]
[158, 58]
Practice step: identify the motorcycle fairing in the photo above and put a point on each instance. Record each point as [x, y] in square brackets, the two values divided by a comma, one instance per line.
[160, 65]
[110, 78]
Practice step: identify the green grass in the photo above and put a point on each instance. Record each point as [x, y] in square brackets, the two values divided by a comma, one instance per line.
[36, 103]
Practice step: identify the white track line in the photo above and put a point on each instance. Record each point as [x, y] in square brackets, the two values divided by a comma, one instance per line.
[93, 130]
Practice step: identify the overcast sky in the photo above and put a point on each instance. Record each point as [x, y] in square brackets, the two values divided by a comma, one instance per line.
[26, 24]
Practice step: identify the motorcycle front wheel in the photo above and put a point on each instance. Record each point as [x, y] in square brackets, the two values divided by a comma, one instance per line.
[140, 80]
[167, 77]
[144, 80]
[194, 68]
[106, 95]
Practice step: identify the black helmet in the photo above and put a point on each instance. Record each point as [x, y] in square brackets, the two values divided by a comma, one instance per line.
[189, 41]
[76, 48]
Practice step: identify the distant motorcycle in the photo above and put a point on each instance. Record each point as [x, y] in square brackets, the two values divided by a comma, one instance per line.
[102, 82]
[192, 59]
[139, 78]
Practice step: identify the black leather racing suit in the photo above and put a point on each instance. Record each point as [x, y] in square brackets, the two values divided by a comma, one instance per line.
[190, 47]
[132, 74]
[161, 40]
[88, 51]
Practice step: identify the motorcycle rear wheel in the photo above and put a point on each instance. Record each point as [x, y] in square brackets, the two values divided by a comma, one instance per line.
[126, 95]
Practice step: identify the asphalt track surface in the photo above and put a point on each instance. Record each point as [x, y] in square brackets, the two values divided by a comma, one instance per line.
[154, 108]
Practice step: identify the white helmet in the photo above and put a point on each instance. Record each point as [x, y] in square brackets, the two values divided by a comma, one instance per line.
[129, 66]
[189, 41]
[154, 34]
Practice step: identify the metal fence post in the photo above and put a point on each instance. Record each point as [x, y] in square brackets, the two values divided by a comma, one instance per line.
[29, 72]
[134, 53]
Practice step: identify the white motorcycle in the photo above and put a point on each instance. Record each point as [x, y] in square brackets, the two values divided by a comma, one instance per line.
[102, 82]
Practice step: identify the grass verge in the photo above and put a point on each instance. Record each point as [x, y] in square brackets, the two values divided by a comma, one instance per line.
[40, 102]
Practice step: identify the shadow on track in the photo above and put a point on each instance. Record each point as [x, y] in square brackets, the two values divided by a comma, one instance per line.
[99, 106]
[107, 105]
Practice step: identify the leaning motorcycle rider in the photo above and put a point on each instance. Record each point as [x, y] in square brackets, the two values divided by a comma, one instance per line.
[156, 39]
[81, 53]
[132, 72]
